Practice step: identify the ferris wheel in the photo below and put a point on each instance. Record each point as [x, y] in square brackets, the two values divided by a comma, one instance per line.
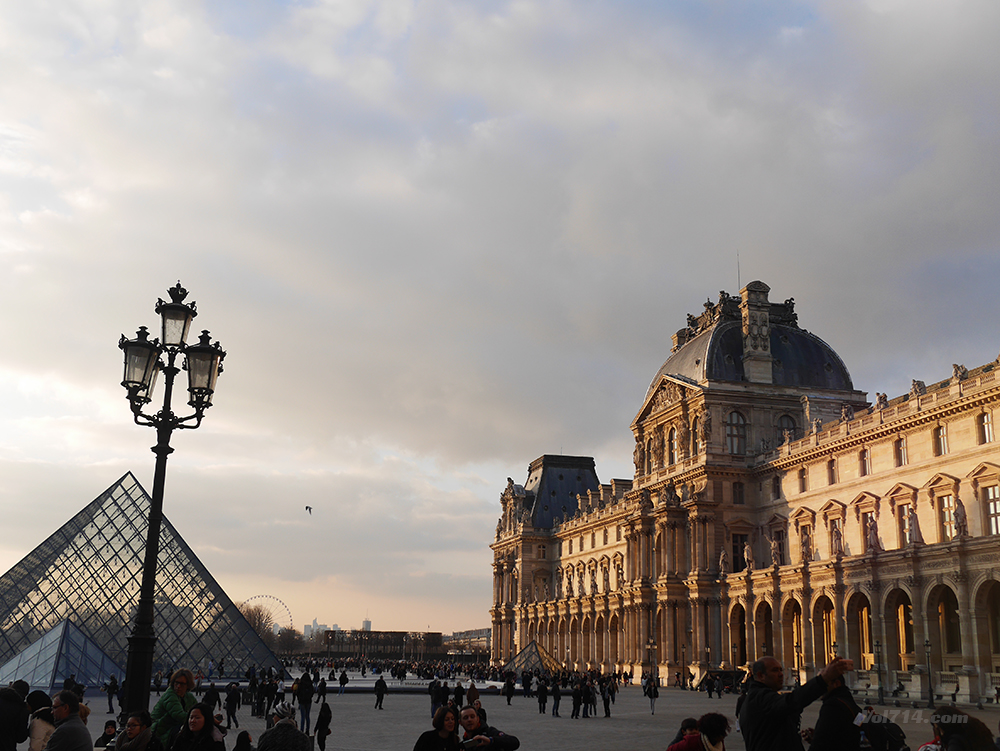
[281, 616]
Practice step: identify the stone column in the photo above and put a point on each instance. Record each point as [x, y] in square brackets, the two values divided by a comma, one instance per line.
[695, 552]
[968, 689]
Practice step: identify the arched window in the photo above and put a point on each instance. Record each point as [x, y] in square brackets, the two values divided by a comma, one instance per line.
[696, 436]
[672, 447]
[736, 434]
[785, 422]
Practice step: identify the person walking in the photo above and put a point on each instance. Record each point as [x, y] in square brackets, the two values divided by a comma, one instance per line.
[653, 692]
[304, 694]
[769, 720]
[556, 694]
[343, 681]
[577, 701]
[381, 689]
[233, 702]
[543, 695]
[322, 729]
[112, 689]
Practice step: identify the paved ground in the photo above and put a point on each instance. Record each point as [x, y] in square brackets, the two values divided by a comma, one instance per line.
[357, 726]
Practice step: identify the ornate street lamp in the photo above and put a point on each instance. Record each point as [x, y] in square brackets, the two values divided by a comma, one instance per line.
[143, 362]
[930, 675]
[684, 672]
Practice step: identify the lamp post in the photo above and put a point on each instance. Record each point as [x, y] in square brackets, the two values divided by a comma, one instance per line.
[930, 675]
[654, 670]
[708, 657]
[684, 672]
[143, 362]
[798, 664]
[878, 667]
[735, 655]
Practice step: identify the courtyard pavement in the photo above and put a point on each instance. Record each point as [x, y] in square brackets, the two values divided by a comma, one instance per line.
[357, 726]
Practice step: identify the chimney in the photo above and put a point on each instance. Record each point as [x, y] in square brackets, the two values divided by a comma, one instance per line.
[754, 309]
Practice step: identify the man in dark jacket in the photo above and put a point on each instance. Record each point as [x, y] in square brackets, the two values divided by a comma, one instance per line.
[70, 733]
[838, 727]
[233, 701]
[476, 729]
[13, 715]
[381, 688]
[769, 721]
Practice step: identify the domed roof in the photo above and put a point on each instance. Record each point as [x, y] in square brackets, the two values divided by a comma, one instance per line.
[715, 353]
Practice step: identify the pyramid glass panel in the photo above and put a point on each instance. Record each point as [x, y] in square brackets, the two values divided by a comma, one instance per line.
[89, 571]
[533, 657]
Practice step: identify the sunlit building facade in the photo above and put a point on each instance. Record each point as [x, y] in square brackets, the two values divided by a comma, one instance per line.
[774, 509]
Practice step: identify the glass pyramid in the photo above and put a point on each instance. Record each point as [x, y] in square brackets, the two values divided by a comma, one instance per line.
[533, 657]
[89, 571]
[62, 652]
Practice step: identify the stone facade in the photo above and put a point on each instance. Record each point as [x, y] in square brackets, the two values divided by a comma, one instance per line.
[774, 510]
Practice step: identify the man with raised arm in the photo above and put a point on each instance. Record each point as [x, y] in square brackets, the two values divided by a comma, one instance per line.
[769, 720]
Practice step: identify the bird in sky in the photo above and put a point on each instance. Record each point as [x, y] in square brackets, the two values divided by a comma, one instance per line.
[310, 510]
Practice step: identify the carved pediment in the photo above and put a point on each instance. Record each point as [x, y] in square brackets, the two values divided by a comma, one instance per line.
[866, 503]
[985, 471]
[833, 509]
[670, 390]
[802, 515]
[941, 480]
[777, 520]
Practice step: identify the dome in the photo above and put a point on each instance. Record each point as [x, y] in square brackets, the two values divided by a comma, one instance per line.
[715, 353]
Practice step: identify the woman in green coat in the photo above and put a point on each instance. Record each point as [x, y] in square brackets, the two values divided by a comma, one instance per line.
[171, 711]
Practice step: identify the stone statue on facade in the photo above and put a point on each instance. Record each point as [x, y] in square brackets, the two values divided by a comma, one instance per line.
[657, 449]
[499, 528]
[593, 582]
[706, 426]
[670, 496]
[916, 538]
[917, 388]
[569, 584]
[765, 445]
[959, 373]
[961, 520]
[534, 594]
[619, 575]
[874, 545]
[881, 401]
[807, 545]
[846, 412]
[723, 562]
[684, 439]
[639, 456]
[607, 580]
[545, 589]
[775, 552]
[817, 425]
[838, 540]
[748, 555]
[786, 435]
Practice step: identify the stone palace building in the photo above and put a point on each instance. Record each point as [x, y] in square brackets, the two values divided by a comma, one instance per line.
[774, 510]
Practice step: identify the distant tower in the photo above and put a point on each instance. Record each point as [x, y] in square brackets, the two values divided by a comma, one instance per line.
[366, 625]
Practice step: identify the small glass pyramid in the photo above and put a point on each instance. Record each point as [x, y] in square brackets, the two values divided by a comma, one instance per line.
[89, 571]
[62, 652]
[533, 657]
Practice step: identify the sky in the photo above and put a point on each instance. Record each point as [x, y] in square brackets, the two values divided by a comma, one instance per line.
[440, 239]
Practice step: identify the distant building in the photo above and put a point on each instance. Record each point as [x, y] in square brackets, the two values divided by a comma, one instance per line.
[773, 510]
[366, 625]
[474, 642]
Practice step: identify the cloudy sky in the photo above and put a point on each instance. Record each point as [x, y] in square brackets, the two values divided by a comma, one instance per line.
[439, 239]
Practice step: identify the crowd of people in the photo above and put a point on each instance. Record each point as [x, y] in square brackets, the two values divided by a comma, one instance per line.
[766, 715]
